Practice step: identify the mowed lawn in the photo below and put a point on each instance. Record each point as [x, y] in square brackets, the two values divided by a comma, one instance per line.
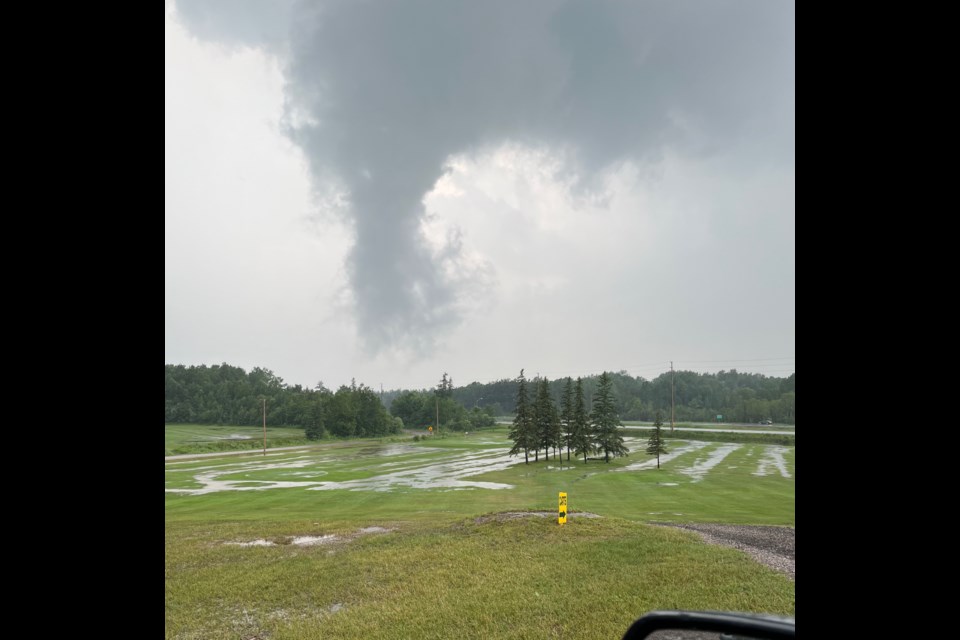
[198, 438]
[438, 571]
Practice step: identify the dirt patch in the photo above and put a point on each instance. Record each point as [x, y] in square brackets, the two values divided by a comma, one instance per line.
[514, 515]
[772, 546]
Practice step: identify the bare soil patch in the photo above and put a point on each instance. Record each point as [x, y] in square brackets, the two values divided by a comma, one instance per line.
[774, 547]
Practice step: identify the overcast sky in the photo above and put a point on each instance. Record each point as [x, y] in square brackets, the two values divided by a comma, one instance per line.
[387, 191]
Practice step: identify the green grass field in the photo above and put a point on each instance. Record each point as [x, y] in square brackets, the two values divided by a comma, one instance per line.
[203, 438]
[438, 571]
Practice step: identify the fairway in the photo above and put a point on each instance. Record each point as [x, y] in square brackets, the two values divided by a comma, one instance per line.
[385, 540]
[200, 438]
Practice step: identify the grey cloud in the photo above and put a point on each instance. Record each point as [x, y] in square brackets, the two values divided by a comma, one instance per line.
[381, 93]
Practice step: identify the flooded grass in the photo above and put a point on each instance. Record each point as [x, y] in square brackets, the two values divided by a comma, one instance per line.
[356, 540]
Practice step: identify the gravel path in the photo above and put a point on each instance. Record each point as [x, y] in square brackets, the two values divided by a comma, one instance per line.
[772, 546]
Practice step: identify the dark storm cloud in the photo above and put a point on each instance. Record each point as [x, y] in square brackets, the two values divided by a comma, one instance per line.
[380, 94]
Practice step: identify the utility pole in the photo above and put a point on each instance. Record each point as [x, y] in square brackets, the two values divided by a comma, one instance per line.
[264, 426]
[438, 416]
[672, 376]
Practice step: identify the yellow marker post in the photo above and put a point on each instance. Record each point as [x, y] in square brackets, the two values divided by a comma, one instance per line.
[562, 519]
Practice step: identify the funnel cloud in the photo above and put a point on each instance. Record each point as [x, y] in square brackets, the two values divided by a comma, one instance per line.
[380, 95]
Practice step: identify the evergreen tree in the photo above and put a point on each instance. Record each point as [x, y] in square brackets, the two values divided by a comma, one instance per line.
[556, 431]
[655, 445]
[605, 421]
[315, 428]
[546, 419]
[580, 438]
[445, 387]
[566, 416]
[523, 432]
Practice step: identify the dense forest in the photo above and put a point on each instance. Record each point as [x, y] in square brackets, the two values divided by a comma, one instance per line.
[700, 397]
[223, 394]
[227, 395]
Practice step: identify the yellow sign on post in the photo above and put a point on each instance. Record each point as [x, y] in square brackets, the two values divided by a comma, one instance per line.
[563, 508]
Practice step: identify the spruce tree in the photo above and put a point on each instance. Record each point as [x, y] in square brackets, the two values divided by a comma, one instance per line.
[556, 431]
[523, 431]
[546, 418]
[315, 429]
[566, 415]
[655, 445]
[581, 438]
[606, 422]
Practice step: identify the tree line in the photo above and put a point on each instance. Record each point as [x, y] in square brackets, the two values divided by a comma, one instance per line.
[228, 395]
[438, 408]
[700, 397]
[223, 394]
[540, 424]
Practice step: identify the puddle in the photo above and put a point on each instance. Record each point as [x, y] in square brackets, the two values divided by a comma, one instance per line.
[305, 473]
[401, 463]
[773, 457]
[701, 467]
[450, 474]
[394, 450]
[307, 541]
[211, 484]
[311, 541]
[253, 543]
[652, 463]
[669, 484]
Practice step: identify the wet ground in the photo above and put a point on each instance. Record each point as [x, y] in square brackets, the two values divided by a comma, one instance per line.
[772, 546]
[401, 466]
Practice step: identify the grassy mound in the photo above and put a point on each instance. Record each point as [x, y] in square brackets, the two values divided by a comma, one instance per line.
[476, 577]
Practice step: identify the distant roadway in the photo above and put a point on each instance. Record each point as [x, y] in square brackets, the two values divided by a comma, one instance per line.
[665, 428]
[217, 454]
[704, 428]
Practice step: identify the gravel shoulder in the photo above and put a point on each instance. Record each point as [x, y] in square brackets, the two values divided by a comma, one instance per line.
[771, 546]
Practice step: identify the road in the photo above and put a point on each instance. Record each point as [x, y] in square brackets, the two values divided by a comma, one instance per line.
[665, 428]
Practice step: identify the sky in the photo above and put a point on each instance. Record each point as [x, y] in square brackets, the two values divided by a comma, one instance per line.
[387, 191]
